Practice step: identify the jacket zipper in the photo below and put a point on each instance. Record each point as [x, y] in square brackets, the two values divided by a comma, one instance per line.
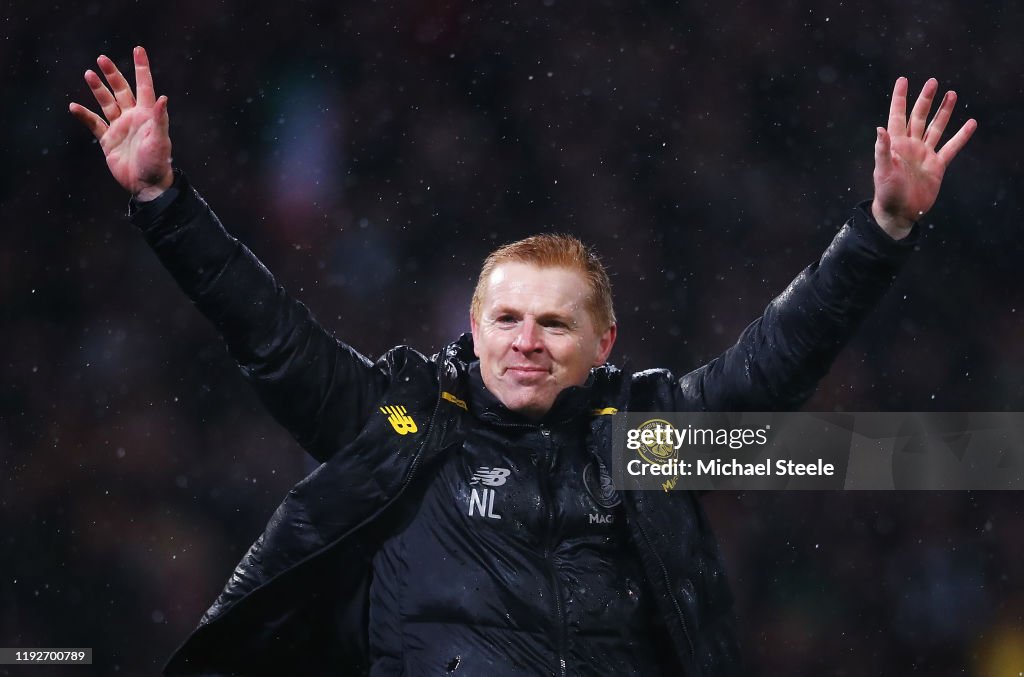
[668, 587]
[556, 589]
[549, 551]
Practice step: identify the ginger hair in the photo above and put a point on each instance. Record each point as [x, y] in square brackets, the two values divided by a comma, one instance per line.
[554, 251]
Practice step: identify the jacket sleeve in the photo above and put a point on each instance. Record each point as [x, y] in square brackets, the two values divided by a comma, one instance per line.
[781, 356]
[320, 389]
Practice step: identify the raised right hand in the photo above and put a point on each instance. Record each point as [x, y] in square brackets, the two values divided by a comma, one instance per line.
[134, 137]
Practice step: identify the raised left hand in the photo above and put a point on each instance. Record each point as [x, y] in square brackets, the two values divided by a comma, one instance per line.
[908, 168]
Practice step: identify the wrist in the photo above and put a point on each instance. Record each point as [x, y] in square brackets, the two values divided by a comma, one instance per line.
[895, 226]
[153, 191]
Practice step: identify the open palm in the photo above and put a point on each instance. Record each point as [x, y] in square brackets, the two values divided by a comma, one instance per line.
[908, 168]
[134, 137]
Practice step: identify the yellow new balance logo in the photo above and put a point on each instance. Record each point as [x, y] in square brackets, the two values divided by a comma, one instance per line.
[399, 420]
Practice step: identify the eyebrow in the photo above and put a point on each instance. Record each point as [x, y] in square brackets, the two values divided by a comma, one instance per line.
[543, 317]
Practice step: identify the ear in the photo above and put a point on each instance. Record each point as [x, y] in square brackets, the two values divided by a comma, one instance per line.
[474, 328]
[604, 345]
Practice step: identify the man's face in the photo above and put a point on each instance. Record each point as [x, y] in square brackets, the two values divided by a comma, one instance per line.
[535, 335]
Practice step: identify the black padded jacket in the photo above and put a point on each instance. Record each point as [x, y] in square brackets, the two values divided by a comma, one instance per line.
[299, 600]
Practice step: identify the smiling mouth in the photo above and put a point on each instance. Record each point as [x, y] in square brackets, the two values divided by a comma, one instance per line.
[527, 372]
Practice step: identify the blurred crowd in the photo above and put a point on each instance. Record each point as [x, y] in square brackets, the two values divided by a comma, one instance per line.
[372, 153]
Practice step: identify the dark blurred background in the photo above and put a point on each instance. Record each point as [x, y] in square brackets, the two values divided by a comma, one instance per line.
[372, 154]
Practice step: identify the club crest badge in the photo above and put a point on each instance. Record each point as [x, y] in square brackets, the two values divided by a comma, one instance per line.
[598, 483]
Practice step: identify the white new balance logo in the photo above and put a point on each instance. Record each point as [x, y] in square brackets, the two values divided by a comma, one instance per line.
[492, 477]
[482, 502]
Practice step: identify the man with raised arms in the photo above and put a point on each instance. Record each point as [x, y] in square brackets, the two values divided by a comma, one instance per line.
[462, 520]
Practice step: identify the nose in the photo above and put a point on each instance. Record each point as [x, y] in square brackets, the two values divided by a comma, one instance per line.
[528, 340]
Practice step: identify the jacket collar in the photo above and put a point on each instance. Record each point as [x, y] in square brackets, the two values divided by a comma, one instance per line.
[569, 404]
[460, 374]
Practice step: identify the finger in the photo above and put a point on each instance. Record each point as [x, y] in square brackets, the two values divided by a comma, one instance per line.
[143, 78]
[898, 109]
[122, 92]
[103, 96]
[883, 154]
[923, 105]
[938, 124]
[160, 110]
[959, 140]
[94, 122]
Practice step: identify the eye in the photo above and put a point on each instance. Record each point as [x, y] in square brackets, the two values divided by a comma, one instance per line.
[505, 320]
[556, 325]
